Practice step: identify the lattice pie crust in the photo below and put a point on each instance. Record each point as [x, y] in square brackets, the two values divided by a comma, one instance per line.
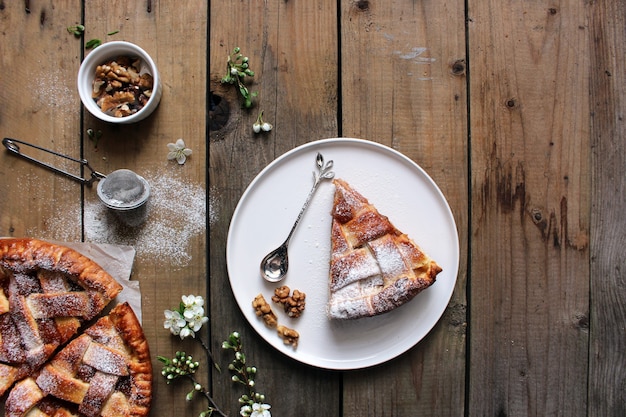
[47, 293]
[374, 267]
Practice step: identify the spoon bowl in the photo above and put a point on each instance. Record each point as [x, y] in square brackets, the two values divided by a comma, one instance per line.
[275, 264]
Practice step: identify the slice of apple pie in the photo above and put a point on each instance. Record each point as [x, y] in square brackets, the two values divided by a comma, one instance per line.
[374, 267]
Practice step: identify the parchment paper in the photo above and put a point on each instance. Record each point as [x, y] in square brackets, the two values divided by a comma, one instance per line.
[117, 260]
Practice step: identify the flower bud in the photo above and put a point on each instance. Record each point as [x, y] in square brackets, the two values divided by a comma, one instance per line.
[266, 127]
[256, 127]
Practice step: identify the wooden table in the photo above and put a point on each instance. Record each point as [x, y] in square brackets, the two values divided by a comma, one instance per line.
[515, 109]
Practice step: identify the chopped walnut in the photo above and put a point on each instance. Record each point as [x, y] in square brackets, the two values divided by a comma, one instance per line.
[264, 310]
[289, 336]
[293, 304]
[121, 77]
[117, 104]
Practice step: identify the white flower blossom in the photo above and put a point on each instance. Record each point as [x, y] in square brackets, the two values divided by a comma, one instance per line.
[188, 319]
[245, 410]
[174, 322]
[260, 125]
[178, 151]
[192, 300]
[260, 410]
[195, 317]
[186, 332]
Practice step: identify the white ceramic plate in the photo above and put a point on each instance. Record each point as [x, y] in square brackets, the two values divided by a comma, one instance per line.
[400, 189]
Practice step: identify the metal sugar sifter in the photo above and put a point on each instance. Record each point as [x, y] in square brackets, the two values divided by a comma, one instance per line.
[123, 191]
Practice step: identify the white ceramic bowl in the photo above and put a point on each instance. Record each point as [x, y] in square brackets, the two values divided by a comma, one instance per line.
[100, 55]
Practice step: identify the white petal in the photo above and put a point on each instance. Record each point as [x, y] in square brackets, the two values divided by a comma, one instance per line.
[181, 158]
[171, 147]
[180, 144]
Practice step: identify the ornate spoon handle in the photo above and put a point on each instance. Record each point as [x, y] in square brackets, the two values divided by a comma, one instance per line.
[324, 173]
[274, 265]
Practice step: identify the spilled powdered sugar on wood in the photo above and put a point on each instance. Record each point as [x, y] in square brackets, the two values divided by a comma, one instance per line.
[213, 202]
[176, 214]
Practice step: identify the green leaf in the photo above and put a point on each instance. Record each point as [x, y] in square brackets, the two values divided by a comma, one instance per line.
[76, 30]
[93, 43]
[164, 360]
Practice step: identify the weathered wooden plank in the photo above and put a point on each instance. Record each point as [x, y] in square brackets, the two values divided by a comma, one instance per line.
[403, 85]
[170, 244]
[292, 47]
[607, 353]
[529, 68]
[39, 104]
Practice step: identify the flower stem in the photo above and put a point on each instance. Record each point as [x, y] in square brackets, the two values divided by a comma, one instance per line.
[212, 402]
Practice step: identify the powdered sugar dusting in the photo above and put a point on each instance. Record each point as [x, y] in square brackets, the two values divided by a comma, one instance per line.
[52, 91]
[176, 213]
[389, 257]
[214, 216]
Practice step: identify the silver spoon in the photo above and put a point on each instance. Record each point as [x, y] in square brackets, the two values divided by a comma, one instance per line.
[274, 265]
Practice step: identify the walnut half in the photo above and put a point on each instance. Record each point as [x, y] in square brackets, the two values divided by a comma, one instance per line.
[293, 303]
[264, 310]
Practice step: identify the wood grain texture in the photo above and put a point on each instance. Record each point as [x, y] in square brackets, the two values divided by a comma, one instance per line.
[39, 104]
[174, 36]
[607, 353]
[292, 48]
[408, 91]
[530, 208]
[515, 109]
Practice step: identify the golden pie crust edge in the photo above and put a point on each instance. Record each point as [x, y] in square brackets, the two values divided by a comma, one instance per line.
[30, 254]
[140, 368]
